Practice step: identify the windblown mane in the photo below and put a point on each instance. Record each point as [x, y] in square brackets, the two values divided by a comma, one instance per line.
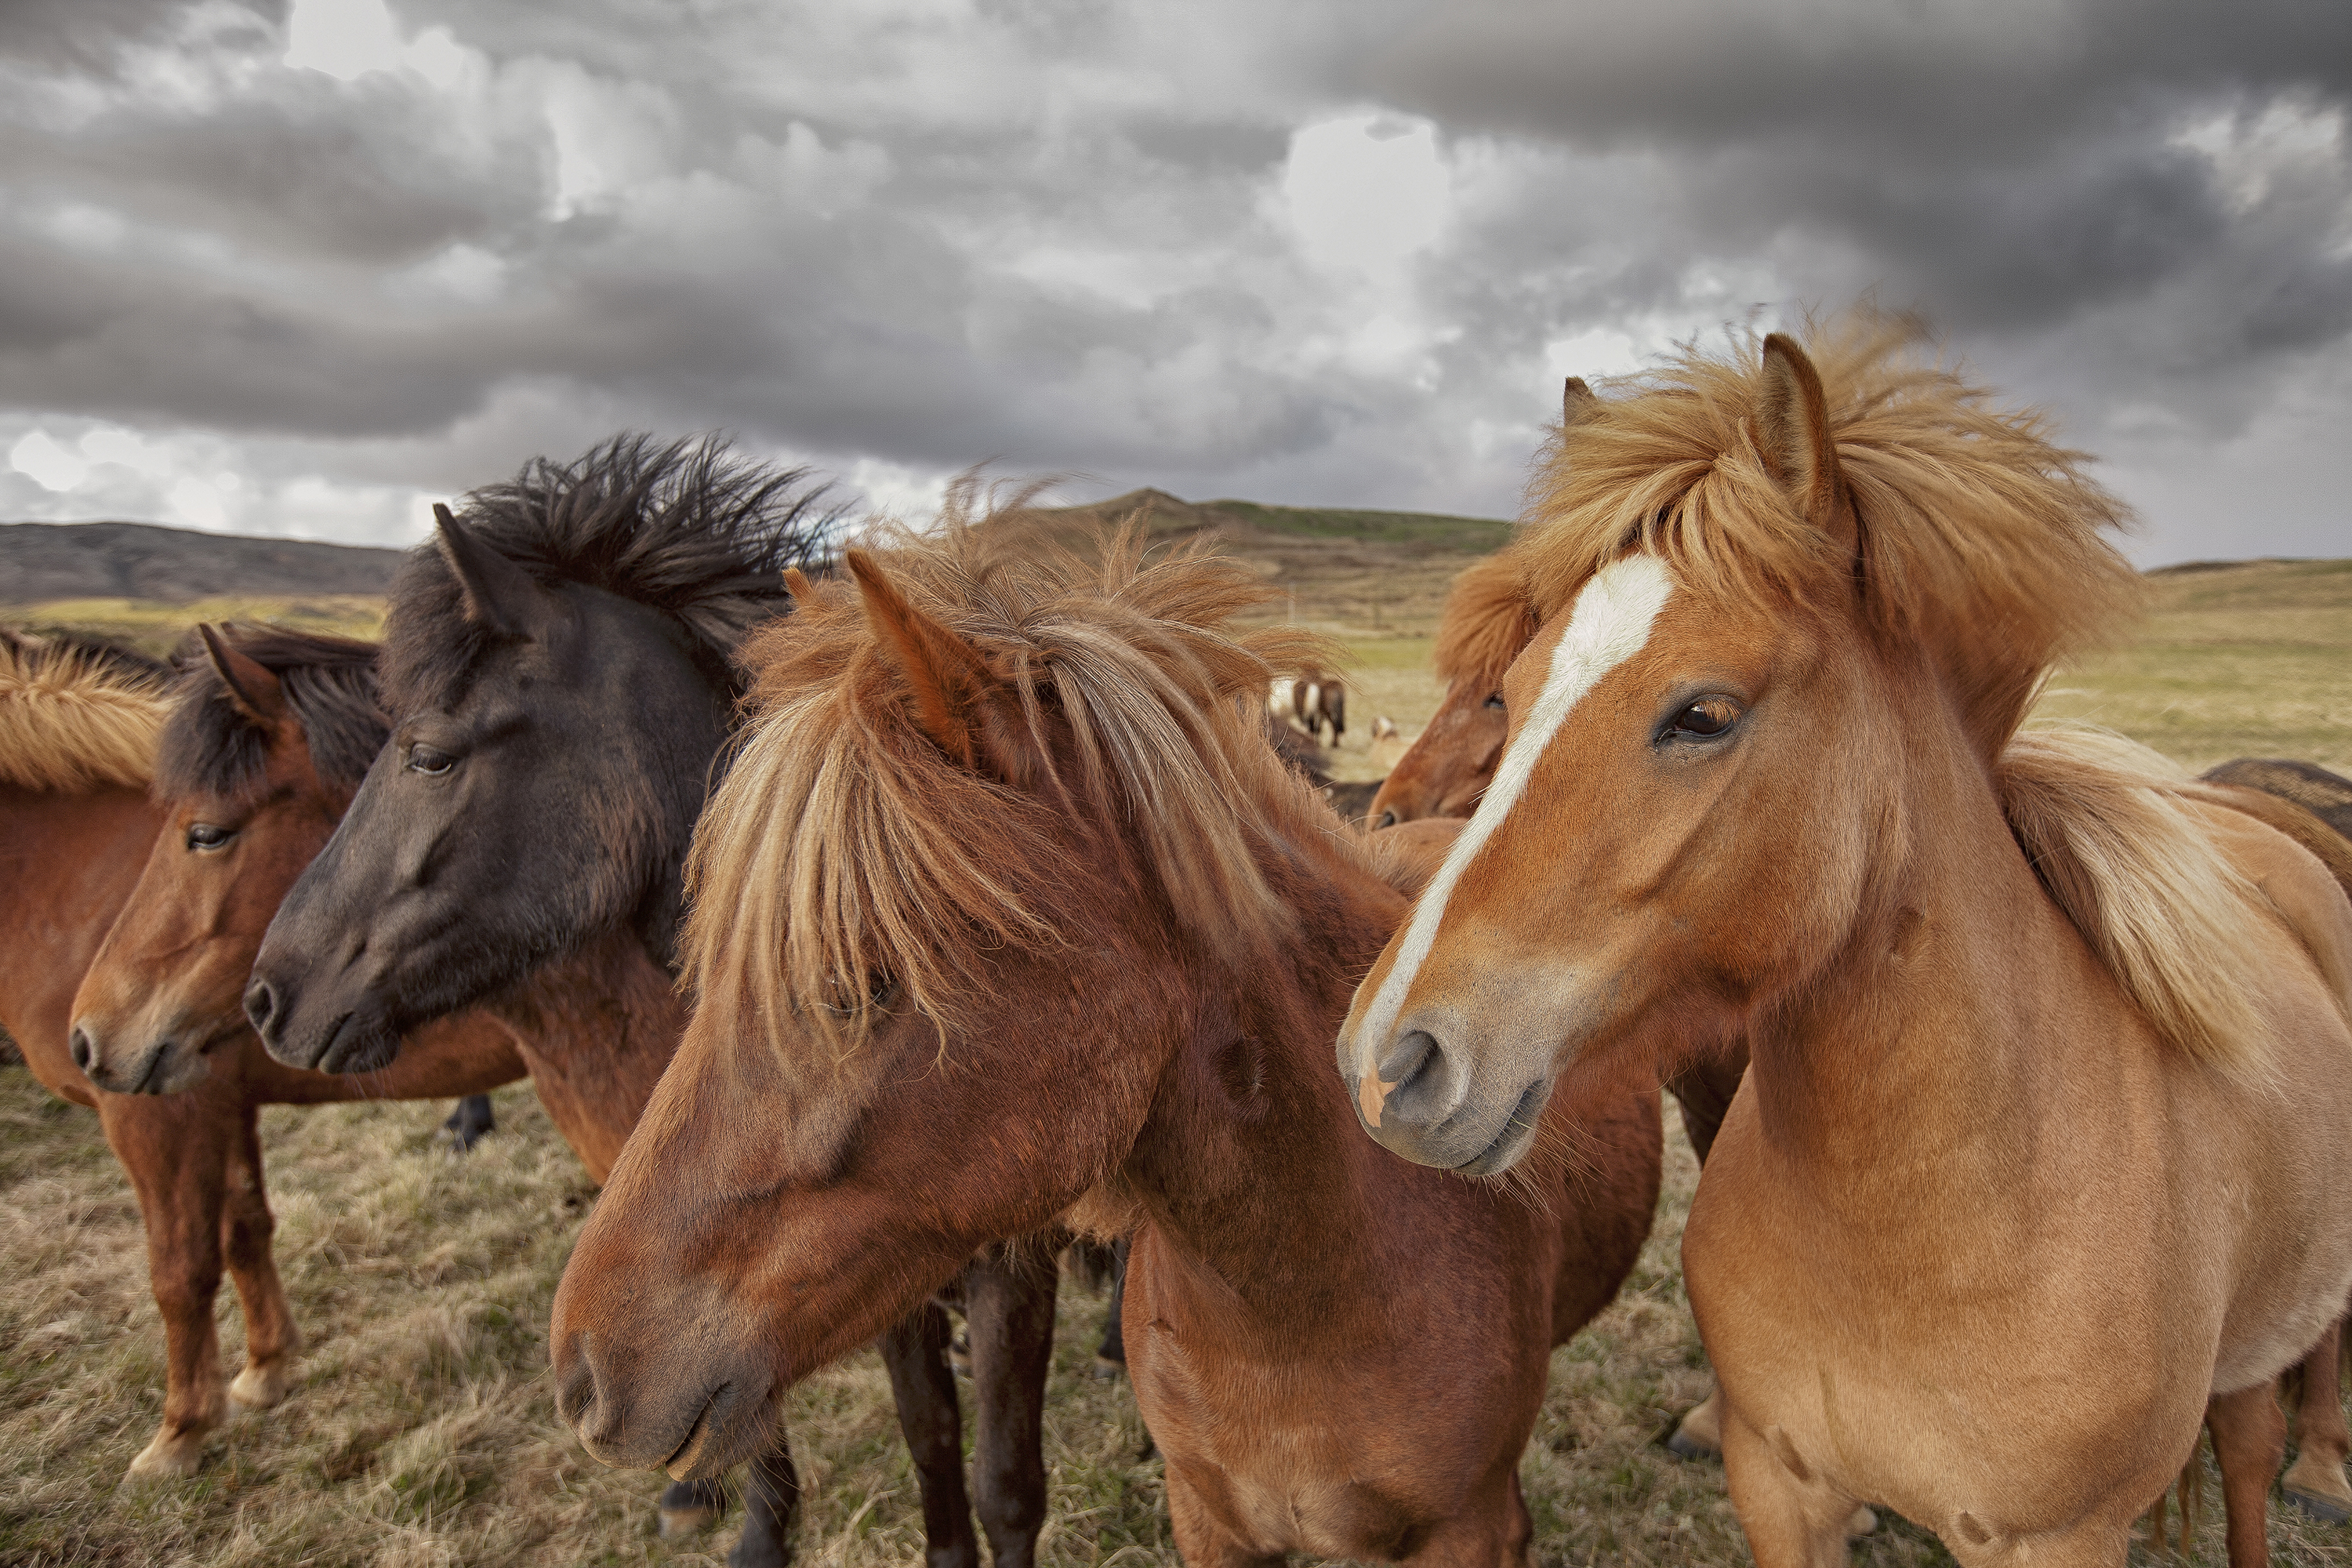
[2185, 932]
[846, 853]
[1982, 542]
[77, 712]
[1488, 618]
[685, 527]
[213, 747]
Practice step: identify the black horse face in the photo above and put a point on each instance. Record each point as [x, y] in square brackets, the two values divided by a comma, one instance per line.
[547, 799]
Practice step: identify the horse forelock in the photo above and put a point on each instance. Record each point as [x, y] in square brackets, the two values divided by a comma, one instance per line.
[1488, 619]
[688, 527]
[76, 712]
[1981, 541]
[847, 852]
[212, 747]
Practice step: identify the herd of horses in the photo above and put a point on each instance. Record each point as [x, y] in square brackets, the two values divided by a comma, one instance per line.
[875, 926]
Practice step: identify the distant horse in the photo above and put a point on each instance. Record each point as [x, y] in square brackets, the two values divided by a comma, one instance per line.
[2019, 1008]
[559, 670]
[79, 725]
[1006, 905]
[1486, 622]
[1319, 703]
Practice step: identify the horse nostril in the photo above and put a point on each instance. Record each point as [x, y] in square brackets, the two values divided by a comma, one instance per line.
[1422, 1088]
[261, 1006]
[85, 1055]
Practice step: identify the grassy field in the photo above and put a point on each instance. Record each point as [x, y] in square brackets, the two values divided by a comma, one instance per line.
[155, 627]
[424, 1431]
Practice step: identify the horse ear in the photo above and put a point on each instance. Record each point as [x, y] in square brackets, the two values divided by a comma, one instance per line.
[1578, 401]
[1792, 429]
[256, 692]
[500, 595]
[959, 701]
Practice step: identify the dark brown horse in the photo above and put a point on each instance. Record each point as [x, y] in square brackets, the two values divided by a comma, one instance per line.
[1007, 907]
[559, 673]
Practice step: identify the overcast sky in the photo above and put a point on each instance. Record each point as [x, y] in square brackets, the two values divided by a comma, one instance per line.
[304, 268]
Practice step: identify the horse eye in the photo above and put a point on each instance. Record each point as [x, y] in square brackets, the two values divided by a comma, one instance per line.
[1495, 700]
[430, 761]
[1388, 819]
[1706, 718]
[203, 835]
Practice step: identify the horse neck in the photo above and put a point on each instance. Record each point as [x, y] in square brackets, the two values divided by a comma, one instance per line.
[596, 1029]
[1950, 1019]
[68, 861]
[1252, 1167]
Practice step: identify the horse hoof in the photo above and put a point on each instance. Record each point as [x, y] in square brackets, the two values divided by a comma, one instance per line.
[171, 1456]
[2327, 1510]
[259, 1387]
[678, 1523]
[1860, 1522]
[1682, 1446]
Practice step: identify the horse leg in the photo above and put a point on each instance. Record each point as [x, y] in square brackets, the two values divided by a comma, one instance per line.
[2315, 1483]
[2249, 1443]
[687, 1507]
[471, 1122]
[1111, 1356]
[1792, 1518]
[171, 1150]
[772, 1503]
[1703, 1092]
[271, 1339]
[916, 1353]
[1009, 1309]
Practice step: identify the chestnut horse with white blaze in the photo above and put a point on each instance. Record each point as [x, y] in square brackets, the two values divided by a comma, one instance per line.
[1007, 907]
[2049, 1109]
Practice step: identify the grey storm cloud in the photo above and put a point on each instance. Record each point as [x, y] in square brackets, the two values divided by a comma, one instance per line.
[1066, 235]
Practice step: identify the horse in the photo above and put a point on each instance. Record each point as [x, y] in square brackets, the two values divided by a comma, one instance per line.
[1319, 702]
[80, 726]
[559, 674]
[1488, 622]
[1007, 910]
[2020, 1006]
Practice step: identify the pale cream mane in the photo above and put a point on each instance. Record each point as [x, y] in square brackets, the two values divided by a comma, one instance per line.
[71, 720]
[1980, 541]
[845, 854]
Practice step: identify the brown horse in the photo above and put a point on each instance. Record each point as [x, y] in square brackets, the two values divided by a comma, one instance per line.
[78, 730]
[1007, 907]
[1489, 620]
[2021, 1011]
[1486, 622]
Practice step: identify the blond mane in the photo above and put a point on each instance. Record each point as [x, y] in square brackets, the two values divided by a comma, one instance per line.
[71, 717]
[1980, 540]
[846, 856]
[1488, 618]
[2190, 937]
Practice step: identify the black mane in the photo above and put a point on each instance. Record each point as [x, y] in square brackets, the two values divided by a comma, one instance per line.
[685, 527]
[210, 746]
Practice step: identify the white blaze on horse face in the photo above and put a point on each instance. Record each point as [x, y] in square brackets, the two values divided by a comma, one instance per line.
[1608, 625]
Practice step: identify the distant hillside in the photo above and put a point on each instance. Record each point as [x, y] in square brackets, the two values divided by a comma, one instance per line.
[1349, 571]
[1352, 571]
[41, 561]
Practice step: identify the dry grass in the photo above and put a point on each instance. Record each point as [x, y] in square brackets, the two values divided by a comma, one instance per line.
[156, 626]
[425, 1432]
